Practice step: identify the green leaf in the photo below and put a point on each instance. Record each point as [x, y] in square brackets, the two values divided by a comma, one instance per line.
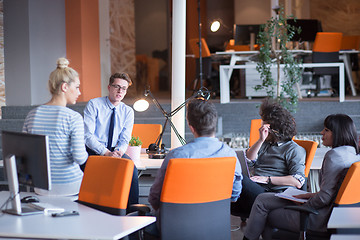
[283, 33]
[135, 141]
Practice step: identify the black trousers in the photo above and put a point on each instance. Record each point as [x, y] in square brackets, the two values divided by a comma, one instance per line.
[250, 190]
[134, 188]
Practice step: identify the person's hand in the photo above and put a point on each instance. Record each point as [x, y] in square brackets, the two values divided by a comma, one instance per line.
[108, 153]
[304, 196]
[259, 179]
[114, 154]
[264, 131]
[117, 153]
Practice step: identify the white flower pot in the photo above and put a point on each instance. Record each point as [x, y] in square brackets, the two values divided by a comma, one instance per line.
[134, 152]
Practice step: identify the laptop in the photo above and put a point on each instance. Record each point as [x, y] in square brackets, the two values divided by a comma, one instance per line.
[243, 163]
[244, 166]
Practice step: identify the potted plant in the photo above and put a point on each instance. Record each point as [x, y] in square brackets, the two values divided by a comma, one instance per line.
[134, 148]
[273, 40]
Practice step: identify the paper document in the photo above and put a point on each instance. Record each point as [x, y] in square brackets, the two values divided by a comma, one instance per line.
[290, 192]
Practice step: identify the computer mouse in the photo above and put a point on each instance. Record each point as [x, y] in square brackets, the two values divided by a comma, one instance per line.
[30, 199]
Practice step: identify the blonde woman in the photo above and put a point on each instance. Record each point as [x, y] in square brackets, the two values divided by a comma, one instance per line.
[65, 129]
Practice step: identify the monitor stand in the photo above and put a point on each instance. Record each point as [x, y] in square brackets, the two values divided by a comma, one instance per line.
[13, 182]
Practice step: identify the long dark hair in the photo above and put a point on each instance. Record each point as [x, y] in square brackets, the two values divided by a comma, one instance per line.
[343, 130]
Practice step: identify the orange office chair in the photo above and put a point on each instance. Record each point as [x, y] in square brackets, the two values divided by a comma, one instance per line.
[106, 184]
[347, 196]
[325, 50]
[231, 46]
[148, 133]
[310, 148]
[195, 199]
[254, 131]
[350, 42]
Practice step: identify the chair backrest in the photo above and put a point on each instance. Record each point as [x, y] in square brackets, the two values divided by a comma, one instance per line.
[327, 42]
[326, 50]
[148, 133]
[195, 198]
[254, 131]
[349, 193]
[106, 184]
[310, 148]
[231, 46]
[350, 42]
[194, 46]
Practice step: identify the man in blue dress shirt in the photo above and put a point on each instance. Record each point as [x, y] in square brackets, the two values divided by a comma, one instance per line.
[202, 119]
[108, 125]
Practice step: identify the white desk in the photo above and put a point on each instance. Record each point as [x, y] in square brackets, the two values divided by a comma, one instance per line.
[90, 224]
[344, 218]
[319, 157]
[344, 237]
[313, 179]
[147, 170]
[145, 163]
[226, 70]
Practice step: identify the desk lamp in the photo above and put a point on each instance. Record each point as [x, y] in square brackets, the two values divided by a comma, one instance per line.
[215, 25]
[154, 150]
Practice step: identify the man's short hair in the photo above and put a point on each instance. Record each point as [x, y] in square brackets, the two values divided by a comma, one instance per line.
[121, 75]
[202, 116]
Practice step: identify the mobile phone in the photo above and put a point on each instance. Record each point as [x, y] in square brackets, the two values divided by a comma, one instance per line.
[65, 214]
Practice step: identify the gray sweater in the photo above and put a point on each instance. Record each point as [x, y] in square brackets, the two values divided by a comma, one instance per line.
[334, 168]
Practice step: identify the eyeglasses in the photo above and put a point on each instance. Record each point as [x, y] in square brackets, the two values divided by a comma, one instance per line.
[118, 87]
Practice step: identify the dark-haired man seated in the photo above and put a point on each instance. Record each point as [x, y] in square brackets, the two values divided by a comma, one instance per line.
[202, 119]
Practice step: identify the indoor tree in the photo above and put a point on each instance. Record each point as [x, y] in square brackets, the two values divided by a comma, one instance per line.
[273, 40]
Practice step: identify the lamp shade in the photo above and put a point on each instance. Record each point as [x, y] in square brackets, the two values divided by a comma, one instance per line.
[141, 105]
[215, 25]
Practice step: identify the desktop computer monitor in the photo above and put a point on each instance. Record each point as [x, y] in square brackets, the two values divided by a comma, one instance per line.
[309, 28]
[242, 33]
[26, 161]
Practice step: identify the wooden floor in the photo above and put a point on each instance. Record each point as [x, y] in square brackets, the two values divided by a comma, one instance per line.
[238, 228]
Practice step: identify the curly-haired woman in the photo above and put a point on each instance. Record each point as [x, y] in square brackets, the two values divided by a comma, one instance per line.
[277, 162]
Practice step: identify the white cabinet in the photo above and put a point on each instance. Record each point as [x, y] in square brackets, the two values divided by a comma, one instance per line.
[252, 78]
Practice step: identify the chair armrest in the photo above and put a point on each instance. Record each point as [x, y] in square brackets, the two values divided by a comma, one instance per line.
[303, 209]
[304, 215]
[142, 209]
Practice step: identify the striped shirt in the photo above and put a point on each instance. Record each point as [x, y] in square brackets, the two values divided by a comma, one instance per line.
[65, 129]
